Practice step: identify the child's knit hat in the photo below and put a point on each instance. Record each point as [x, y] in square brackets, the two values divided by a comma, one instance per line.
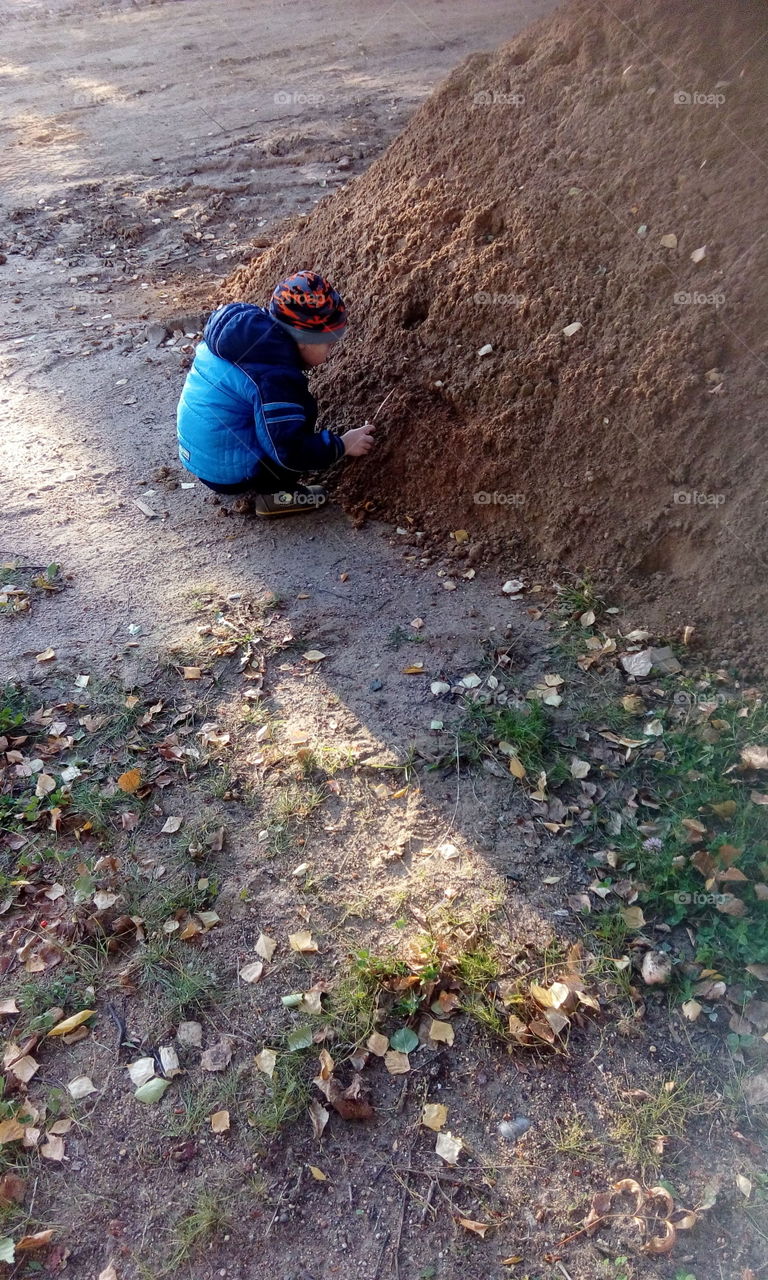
[309, 308]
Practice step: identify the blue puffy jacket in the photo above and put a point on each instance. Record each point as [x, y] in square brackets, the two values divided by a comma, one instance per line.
[245, 401]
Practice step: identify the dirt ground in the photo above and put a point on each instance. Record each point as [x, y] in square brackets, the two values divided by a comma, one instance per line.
[128, 199]
[556, 265]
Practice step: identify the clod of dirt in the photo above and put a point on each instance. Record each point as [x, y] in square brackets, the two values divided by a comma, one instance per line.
[538, 184]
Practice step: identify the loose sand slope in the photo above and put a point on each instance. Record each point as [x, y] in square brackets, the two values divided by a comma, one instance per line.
[531, 192]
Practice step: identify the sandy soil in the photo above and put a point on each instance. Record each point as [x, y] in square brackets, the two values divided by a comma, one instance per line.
[124, 194]
[123, 191]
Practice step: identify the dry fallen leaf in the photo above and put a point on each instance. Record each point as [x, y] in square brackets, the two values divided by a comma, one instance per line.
[434, 1115]
[171, 825]
[479, 1228]
[754, 757]
[46, 656]
[266, 1062]
[10, 1131]
[24, 1068]
[218, 1057]
[108, 1273]
[319, 1117]
[81, 1087]
[53, 1148]
[220, 1122]
[317, 1174]
[252, 972]
[130, 781]
[141, 1070]
[302, 942]
[442, 1032]
[377, 1043]
[449, 1148]
[313, 655]
[397, 1064]
[36, 1241]
[70, 1024]
[265, 946]
[191, 673]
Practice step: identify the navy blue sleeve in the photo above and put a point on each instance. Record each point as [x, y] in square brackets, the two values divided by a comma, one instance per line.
[285, 432]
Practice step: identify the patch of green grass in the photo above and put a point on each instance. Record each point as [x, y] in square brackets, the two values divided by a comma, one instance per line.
[529, 731]
[66, 991]
[665, 1113]
[184, 984]
[296, 802]
[208, 1218]
[572, 1137]
[400, 636]
[286, 1094]
[578, 597]
[158, 903]
[476, 969]
[695, 775]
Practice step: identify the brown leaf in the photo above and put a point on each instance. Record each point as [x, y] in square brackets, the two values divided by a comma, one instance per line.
[319, 1117]
[754, 757]
[397, 1064]
[12, 1189]
[729, 905]
[220, 1122]
[479, 1228]
[218, 1057]
[662, 1244]
[10, 1131]
[36, 1241]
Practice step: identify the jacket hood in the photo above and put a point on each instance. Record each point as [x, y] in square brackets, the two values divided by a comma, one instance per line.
[247, 335]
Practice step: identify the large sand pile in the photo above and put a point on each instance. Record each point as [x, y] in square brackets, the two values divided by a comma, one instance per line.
[606, 169]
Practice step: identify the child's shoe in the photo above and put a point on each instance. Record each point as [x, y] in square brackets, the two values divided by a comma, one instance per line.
[304, 498]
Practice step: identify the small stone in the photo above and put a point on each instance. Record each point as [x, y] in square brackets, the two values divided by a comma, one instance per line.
[512, 1130]
[375, 686]
[156, 334]
[656, 968]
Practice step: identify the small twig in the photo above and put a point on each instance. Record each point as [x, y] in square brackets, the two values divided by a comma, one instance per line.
[406, 1193]
[384, 401]
[562, 1268]
[428, 1201]
[277, 1209]
[384, 1247]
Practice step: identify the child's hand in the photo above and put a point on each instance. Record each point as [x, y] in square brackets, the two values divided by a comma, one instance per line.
[359, 441]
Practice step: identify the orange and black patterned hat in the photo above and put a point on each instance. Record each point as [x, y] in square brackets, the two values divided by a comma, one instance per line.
[308, 306]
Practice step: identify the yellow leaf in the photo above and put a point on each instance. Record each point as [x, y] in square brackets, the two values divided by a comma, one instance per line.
[302, 941]
[633, 917]
[266, 1062]
[415, 669]
[10, 1131]
[220, 1122]
[397, 1064]
[516, 767]
[442, 1032]
[434, 1115]
[460, 535]
[317, 1174]
[46, 656]
[69, 1024]
[191, 673]
[378, 1044]
[398, 795]
[130, 781]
